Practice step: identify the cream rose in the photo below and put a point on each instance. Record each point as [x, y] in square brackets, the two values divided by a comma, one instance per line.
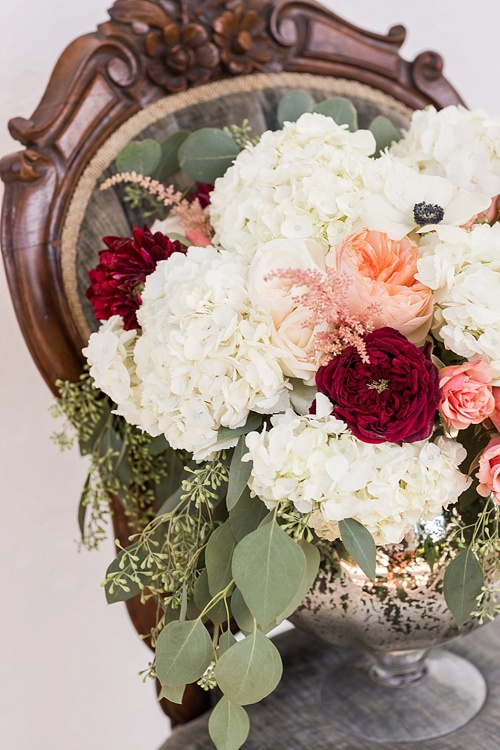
[292, 335]
[383, 271]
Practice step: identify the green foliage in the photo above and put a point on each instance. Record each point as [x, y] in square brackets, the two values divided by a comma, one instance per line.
[142, 157]
[385, 133]
[207, 154]
[124, 462]
[239, 474]
[246, 515]
[228, 725]
[241, 134]
[268, 568]
[218, 558]
[341, 110]
[172, 693]
[169, 159]
[249, 670]
[253, 422]
[183, 652]
[311, 553]
[360, 544]
[463, 583]
[293, 104]
[226, 640]
[208, 483]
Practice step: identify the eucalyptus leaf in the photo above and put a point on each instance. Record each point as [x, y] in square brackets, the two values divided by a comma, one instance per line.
[241, 613]
[228, 725]
[169, 160]
[202, 597]
[385, 133]
[218, 558]
[246, 515]
[207, 154]
[268, 568]
[172, 503]
[226, 640]
[463, 582]
[341, 110]
[158, 445]
[360, 544]
[249, 670]
[293, 105]
[253, 422]
[313, 558]
[142, 157]
[172, 693]
[183, 652]
[172, 478]
[176, 237]
[82, 508]
[239, 474]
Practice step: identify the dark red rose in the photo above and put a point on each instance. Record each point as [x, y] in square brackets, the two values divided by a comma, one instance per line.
[118, 279]
[202, 193]
[393, 398]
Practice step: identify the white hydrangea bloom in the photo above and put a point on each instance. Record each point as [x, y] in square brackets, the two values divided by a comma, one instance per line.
[205, 357]
[110, 356]
[323, 469]
[304, 181]
[455, 143]
[463, 269]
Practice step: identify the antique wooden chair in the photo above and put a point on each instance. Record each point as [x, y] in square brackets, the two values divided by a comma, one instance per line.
[156, 66]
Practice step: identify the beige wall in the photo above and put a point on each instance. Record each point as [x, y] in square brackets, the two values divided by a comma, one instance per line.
[68, 663]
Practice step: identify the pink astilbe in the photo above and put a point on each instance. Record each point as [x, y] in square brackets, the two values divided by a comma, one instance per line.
[190, 211]
[169, 196]
[326, 297]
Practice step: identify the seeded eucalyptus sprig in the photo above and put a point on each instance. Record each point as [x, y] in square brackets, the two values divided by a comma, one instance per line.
[124, 462]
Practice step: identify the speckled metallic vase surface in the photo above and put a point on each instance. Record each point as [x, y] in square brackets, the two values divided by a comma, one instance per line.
[403, 608]
[395, 621]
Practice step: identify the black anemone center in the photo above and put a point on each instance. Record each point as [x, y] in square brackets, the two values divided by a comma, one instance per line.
[427, 213]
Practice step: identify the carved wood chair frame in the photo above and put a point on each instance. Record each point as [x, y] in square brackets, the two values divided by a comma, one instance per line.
[147, 49]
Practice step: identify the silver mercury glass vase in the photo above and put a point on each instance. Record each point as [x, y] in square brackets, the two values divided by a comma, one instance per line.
[396, 689]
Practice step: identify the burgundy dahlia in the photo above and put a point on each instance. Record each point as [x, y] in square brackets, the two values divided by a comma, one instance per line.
[392, 398]
[118, 279]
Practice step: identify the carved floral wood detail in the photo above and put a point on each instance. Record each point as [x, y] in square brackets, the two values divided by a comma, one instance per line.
[146, 49]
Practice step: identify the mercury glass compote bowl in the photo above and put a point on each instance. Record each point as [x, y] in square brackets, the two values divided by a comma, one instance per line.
[399, 687]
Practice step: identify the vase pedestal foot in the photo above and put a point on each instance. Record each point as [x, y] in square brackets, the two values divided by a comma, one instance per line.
[404, 696]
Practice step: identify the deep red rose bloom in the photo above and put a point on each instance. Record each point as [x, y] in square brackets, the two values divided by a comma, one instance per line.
[202, 192]
[117, 281]
[393, 398]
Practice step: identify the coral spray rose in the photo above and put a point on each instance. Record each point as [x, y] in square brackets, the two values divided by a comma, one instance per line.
[383, 271]
[489, 470]
[466, 394]
[393, 397]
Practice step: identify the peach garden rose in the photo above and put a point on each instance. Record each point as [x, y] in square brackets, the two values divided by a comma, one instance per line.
[383, 271]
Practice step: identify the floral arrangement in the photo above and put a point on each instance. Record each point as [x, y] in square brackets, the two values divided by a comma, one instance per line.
[305, 356]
